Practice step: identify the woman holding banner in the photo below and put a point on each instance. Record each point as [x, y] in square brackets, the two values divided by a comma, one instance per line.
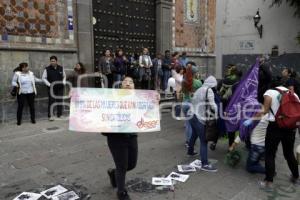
[124, 149]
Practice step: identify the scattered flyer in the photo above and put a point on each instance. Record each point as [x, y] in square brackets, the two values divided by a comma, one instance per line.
[196, 163]
[178, 177]
[161, 181]
[186, 168]
[54, 191]
[66, 196]
[28, 196]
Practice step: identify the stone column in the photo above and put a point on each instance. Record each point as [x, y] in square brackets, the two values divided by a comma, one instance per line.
[163, 25]
[85, 36]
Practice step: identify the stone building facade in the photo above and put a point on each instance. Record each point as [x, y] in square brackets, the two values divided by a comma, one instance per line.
[32, 31]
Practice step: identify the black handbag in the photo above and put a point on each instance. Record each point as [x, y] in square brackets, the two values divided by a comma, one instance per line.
[211, 128]
[14, 91]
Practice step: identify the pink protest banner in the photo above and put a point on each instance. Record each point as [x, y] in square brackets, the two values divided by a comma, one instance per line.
[114, 110]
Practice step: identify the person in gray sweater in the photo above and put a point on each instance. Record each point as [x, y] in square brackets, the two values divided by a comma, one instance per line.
[203, 98]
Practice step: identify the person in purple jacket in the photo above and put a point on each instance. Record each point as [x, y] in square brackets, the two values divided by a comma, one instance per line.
[120, 68]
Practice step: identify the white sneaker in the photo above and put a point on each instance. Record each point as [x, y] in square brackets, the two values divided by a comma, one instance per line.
[51, 119]
[209, 168]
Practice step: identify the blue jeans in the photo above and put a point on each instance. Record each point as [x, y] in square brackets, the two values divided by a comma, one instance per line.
[177, 110]
[254, 156]
[188, 128]
[117, 80]
[198, 130]
[166, 76]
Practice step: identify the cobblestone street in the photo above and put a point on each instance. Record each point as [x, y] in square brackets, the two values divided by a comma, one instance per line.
[35, 157]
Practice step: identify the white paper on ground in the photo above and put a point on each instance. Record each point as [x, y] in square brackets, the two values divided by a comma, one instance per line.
[186, 168]
[54, 191]
[178, 177]
[196, 163]
[28, 196]
[161, 181]
[66, 196]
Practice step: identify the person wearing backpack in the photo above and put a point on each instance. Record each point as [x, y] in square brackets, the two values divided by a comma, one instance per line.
[202, 99]
[276, 102]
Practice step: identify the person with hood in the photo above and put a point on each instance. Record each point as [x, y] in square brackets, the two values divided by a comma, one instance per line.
[204, 97]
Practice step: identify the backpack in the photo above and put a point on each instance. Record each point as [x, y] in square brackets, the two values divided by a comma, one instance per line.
[225, 91]
[288, 114]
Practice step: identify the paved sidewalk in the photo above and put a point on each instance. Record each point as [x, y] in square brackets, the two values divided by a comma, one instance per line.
[36, 156]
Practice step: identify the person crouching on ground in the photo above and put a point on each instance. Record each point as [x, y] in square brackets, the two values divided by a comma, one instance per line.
[124, 150]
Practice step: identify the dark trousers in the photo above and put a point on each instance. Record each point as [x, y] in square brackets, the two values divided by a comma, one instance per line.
[274, 136]
[110, 80]
[117, 80]
[231, 137]
[124, 149]
[54, 102]
[21, 101]
[146, 84]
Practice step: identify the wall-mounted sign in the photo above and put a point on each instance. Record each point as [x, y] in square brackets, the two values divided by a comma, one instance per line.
[246, 44]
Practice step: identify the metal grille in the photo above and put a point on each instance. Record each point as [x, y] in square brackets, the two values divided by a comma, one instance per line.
[125, 24]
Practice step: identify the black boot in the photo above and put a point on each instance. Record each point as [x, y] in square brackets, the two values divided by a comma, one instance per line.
[123, 195]
[112, 176]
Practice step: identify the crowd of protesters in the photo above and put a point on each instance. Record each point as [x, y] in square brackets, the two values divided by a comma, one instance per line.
[146, 72]
[264, 138]
[176, 71]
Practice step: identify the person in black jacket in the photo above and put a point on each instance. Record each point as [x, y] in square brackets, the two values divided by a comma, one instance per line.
[124, 149]
[120, 65]
[54, 77]
[166, 67]
[264, 79]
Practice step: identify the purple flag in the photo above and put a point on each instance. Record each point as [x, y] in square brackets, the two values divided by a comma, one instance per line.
[243, 103]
